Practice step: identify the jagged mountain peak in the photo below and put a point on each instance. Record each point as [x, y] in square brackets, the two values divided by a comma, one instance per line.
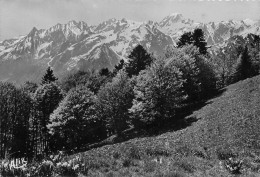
[34, 29]
[115, 25]
[72, 23]
[249, 22]
[172, 18]
[82, 24]
[151, 23]
[75, 27]
[71, 30]
[33, 32]
[110, 20]
[106, 25]
[124, 20]
[175, 19]
[79, 24]
[175, 15]
[77, 45]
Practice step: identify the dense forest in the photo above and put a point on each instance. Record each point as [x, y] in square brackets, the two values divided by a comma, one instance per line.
[146, 92]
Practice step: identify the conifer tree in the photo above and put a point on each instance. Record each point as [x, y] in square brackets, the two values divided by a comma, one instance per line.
[48, 76]
[104, 72]
[186, 38]
[118, 67]
[199, 41]
[257, 41]
[196, 38]
[244, 68]
[139, 59]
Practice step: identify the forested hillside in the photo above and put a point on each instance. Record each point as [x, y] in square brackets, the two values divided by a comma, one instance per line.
[142, 96]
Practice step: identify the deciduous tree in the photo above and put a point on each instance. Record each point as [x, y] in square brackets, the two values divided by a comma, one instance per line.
[158, 94]
[73, 123]
[113, 102]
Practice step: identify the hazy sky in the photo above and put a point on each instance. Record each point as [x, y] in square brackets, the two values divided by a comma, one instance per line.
[18, 17]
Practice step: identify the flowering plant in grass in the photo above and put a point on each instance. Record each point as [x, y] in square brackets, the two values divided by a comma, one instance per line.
[45, 168]
[233, 166]
[51, 166]
[70, 167]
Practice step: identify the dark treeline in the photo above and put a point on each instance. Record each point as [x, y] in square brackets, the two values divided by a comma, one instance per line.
[239, 59]
[87, 106]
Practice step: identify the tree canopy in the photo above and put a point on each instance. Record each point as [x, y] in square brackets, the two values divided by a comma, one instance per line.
[48, 76]
[158, 93]
[196, 38]
[139, 59]
[244, 68]
[113, 102]
[73, 122]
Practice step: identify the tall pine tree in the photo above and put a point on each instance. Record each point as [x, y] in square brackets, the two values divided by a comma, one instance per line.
[104, 72]
[186, 38]
[244, 68]
[118, 67]
[48, 76]
[139, 59]
[199, 41]
[196, 38]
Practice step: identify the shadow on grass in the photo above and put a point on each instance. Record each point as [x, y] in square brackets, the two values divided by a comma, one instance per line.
[181, 120]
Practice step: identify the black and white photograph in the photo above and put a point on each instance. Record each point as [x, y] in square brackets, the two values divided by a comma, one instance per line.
[129, 88]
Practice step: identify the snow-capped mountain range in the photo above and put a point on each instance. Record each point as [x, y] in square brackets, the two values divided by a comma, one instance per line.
[76, 45]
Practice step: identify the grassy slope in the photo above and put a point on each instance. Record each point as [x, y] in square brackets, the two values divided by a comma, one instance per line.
[231, 120]
[228, 125]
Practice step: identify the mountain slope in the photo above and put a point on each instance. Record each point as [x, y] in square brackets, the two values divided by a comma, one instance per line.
[74, 45]
[216, 33]
[231, 120]
[229, 126]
